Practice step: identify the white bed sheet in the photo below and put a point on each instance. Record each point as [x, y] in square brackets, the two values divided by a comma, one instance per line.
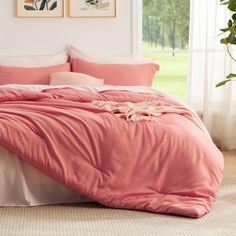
[23, 185]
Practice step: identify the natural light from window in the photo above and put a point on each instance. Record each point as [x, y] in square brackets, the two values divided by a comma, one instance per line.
[165, 39]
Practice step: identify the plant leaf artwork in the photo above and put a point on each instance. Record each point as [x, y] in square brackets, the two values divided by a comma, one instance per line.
[95, 4]
[40, 8]
[92, 8]
[40, 5]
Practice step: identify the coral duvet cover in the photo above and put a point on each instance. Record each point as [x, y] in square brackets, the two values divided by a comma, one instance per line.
[161, 160]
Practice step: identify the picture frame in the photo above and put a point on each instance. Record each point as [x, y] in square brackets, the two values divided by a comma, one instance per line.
[40, 8]
[92, 8]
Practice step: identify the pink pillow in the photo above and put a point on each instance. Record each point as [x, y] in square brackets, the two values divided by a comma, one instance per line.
[117, 74]
[20, 75]
[72, 78]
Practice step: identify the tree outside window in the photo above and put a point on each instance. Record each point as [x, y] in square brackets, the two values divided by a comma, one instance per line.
[165, 38]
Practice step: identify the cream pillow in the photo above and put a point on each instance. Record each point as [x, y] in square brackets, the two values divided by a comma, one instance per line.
[73, 78]
[104, 59]
[34, 61]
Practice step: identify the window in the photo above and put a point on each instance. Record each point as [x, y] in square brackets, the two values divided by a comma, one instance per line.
[165, 39]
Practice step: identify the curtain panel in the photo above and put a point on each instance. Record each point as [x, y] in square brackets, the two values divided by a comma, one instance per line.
[209, 63]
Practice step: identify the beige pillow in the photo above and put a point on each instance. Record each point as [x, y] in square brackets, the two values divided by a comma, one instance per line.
[104, 59]
[34, 61]
[73, 78]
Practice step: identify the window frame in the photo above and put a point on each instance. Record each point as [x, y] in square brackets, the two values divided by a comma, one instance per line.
[136, 28]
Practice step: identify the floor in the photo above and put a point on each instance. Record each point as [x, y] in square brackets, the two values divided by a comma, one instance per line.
[92, 219]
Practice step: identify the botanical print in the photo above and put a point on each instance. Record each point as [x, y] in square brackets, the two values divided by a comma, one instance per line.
[94, 4]
[40, 8]
[92, 8]
[40, 5]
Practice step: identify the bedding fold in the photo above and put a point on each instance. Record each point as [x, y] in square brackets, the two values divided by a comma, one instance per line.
[139, 111]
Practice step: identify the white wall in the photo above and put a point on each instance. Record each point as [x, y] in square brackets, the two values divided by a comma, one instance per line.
[44, 36]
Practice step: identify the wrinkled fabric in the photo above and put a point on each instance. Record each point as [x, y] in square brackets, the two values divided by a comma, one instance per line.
[139, 111]
[167, 166]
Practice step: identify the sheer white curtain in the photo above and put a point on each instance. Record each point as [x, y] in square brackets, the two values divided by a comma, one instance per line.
[209, 64]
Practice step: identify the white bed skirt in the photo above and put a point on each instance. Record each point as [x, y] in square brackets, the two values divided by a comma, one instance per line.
[23, 185]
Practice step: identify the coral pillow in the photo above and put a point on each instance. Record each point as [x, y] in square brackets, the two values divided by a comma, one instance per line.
[72, 78]
[36, 75]
[117, 74]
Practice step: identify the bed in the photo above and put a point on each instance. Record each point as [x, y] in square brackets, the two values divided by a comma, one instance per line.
[127, 146]
[184, 173]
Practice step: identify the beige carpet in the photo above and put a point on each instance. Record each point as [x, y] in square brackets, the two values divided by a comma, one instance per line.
[93, 219]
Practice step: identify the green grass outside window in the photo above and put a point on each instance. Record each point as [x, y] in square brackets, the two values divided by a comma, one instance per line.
[172, 77]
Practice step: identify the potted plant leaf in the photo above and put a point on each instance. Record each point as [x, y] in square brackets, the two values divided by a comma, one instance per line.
[230, 39]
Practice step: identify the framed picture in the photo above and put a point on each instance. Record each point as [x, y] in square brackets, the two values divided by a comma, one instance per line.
[40, 8]
[92, 8]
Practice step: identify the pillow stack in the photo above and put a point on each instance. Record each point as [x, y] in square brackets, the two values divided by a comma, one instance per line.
[84, 69]
[114, 70]
[32, 69]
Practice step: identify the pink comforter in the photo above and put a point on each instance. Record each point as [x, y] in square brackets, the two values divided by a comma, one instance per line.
[167, 165]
